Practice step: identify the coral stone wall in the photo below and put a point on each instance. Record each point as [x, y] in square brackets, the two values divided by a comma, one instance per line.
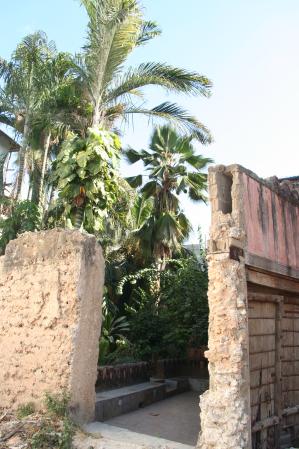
[253, 278]
[225, 407]
[50, 317]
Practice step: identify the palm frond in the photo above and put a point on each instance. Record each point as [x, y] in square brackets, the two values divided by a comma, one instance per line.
[149, 189]
[113, 29]
[168, 230]
[149, 30]
[163, 75]
[132, 155]
[141, 211]
[179, 117]
[197, 161]
[134, 181]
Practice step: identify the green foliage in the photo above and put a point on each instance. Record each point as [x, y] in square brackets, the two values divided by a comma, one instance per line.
[24, 216]
[25, 410]
[114, 329]
[176, 317]
[124, 352]
[45, 438]
[57, 429]
[57, 405]
[167, 311]
[115, 29]
[49, 436]
[87, 178]
[65, 107]
[173, 168]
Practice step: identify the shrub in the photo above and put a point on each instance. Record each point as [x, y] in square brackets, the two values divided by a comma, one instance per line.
[166, 321]
[57, 405]
[57, 429]
[24, 216]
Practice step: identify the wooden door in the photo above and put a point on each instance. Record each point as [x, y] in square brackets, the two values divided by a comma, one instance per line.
[265, 338]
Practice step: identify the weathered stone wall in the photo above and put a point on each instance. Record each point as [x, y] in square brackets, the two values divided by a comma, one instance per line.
[225, 407]
[253, 256]
[50, 317]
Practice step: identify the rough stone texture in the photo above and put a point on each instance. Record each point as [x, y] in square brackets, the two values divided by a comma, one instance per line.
[255, 226]
[225, 407]
[50, 317]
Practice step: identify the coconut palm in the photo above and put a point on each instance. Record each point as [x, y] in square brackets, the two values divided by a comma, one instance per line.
[20, 96]
[173, 168]
[61, 110]
[37, 98]
[116, 28]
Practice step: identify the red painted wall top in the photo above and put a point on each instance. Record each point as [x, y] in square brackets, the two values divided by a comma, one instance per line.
[272, 224]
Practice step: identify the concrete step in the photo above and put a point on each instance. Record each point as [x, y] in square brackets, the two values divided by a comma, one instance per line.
[123, 400]
[118, 401]
[176, 386]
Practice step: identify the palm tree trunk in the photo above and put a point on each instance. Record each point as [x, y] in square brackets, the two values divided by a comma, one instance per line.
[79, 217]
[2, 163]
[22, 157]
[48, 201]
[51, 195]
[96, 114]
[44, 167]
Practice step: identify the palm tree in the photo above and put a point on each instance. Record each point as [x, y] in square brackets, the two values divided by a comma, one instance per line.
[36, 99]
[172, 167]
[60, 111]
[115, 29]
[20, 96]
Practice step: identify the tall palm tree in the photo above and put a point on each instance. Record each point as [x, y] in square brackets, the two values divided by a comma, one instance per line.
[173, 168]
[115, 29]
[37, 96]
[60, 111]
[20, 96]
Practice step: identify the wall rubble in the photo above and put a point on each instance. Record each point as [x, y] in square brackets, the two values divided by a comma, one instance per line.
[50, 317]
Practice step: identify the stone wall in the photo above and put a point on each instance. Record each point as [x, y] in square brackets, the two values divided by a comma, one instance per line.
[225, 407]
[253, 270]
[50, 317]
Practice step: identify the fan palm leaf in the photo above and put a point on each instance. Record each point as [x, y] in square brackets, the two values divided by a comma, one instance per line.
[173, 167]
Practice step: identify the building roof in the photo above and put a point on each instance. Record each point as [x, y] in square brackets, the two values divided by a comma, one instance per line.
[12, 145]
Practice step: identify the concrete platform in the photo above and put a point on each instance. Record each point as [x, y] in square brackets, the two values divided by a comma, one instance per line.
[123, 400]
[175, 419]
[104, 436]
[118, 401]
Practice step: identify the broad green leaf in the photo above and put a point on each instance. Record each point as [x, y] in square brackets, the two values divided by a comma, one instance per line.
[82, 158]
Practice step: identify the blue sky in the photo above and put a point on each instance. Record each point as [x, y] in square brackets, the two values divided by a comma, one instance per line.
[250, 49]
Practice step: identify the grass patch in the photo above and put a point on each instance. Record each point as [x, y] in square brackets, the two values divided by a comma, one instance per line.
[57, 405]
[25, 410]
[56, 429]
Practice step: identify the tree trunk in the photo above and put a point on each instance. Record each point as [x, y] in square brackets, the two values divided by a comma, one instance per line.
[44, 167]
[2, 163]
[22, 157]
[79, 217]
